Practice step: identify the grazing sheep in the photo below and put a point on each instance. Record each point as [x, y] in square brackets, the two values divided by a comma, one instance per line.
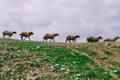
[50, 36]
[112, 39]
[93, 39]
[73, 38]
[26, 34]
[8, 33]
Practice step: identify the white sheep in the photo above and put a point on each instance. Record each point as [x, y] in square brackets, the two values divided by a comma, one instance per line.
[93, 39]
[50, 36]
[26, 34]
[73, 38]
[8, 33]
[111, 39]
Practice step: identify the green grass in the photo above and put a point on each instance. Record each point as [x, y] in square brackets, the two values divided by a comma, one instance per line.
[87, 50]
[107, 52]
[18, 58]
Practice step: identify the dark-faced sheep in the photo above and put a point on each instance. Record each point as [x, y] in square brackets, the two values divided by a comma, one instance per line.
[26, 34]
[50, 36]
[112, 39]
[8, 33]
[73, 38]
[93, 39]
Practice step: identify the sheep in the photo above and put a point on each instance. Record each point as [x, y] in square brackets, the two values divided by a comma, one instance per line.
[26, 34]
[50, 36]
[112, 39]
[73, 38]
[8, 33]
[93, 39]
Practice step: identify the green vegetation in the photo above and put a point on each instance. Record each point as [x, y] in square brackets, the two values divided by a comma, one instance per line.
[107, 52]
[87, 50]
[46, 61]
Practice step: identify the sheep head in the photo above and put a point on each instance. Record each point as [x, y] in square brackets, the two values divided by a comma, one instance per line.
[31, 33]
[117, 37]
[14, 32]
[56, 34]
[77, 36]
[100, 37]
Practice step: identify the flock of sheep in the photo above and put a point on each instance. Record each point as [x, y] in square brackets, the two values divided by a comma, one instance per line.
[69, 38]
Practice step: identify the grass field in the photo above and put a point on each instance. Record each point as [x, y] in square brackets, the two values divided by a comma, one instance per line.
[31, 60]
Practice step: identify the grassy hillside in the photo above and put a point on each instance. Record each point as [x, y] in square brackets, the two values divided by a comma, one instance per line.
[22, 60]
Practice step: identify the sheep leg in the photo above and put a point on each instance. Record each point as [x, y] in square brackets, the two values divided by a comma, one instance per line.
[75, 41]
[22, 37]
[29, 38]
[46, 40]
[53, 40]
[70, 41]
[9, 37]
[3, 35]
[50, 40]
[43, 40]
[66, 40]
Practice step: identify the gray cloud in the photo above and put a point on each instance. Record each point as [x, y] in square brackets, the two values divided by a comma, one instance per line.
[83, 17]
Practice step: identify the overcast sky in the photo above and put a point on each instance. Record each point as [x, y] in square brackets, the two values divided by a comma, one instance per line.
[66, 17]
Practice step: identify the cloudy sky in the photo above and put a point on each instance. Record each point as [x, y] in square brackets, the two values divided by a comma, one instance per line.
[66, 17]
